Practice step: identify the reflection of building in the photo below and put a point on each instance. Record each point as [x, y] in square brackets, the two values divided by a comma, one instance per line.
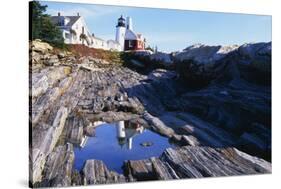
[126, 130]
[83, 141]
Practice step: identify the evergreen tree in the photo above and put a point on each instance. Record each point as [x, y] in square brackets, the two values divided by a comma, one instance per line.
[37, 11]
[42, 27]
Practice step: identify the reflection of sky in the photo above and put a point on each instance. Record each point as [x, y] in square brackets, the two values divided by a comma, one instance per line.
[105, 147]
[171, 30]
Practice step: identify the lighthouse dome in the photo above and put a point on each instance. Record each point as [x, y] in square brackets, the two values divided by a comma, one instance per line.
[121, 22]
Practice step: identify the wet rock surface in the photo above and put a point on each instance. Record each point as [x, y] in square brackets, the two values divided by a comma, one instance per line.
[221, 129]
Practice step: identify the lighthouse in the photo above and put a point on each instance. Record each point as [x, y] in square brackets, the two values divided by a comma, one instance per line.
[120, 32]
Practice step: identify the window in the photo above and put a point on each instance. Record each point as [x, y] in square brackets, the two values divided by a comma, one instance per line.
[61, 23]
[130, 43]
[67, 35]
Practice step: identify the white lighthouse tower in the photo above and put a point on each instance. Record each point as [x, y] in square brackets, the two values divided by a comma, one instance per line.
[120, 32]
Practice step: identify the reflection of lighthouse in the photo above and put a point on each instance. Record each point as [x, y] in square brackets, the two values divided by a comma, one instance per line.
[126, 131]
[121, 133]
[130, 143]
[121, 129]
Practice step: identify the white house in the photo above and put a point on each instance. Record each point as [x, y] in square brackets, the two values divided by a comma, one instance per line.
[75, 31]
[114, 45]
[99, 43]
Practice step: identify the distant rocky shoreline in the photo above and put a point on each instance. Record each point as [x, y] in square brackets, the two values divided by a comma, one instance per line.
[213, 102]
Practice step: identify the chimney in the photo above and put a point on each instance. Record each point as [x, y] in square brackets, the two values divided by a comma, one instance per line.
[78, 14]
[129, 23]
[58, 13]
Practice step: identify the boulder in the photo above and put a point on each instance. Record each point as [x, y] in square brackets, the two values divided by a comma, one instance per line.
[111, 116]
[39, 46]
[51, 61]
[35, 57]
[157, 125]
[90, 130]
[190, 140]
[61, 55]
[158, 74]
[141, 170]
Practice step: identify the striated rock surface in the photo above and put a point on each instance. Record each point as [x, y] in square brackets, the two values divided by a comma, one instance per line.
[140, 169]
[96, 172]
[197, 162]
[218, 113]
[44, 139]
[58, 167]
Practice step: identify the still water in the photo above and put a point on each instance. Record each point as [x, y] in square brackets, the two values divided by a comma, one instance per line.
[116, 142]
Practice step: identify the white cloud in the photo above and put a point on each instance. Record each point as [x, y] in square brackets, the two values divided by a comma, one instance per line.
[92, 11]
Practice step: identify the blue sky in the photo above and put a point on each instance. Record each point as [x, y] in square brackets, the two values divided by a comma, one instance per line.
[171, 30]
